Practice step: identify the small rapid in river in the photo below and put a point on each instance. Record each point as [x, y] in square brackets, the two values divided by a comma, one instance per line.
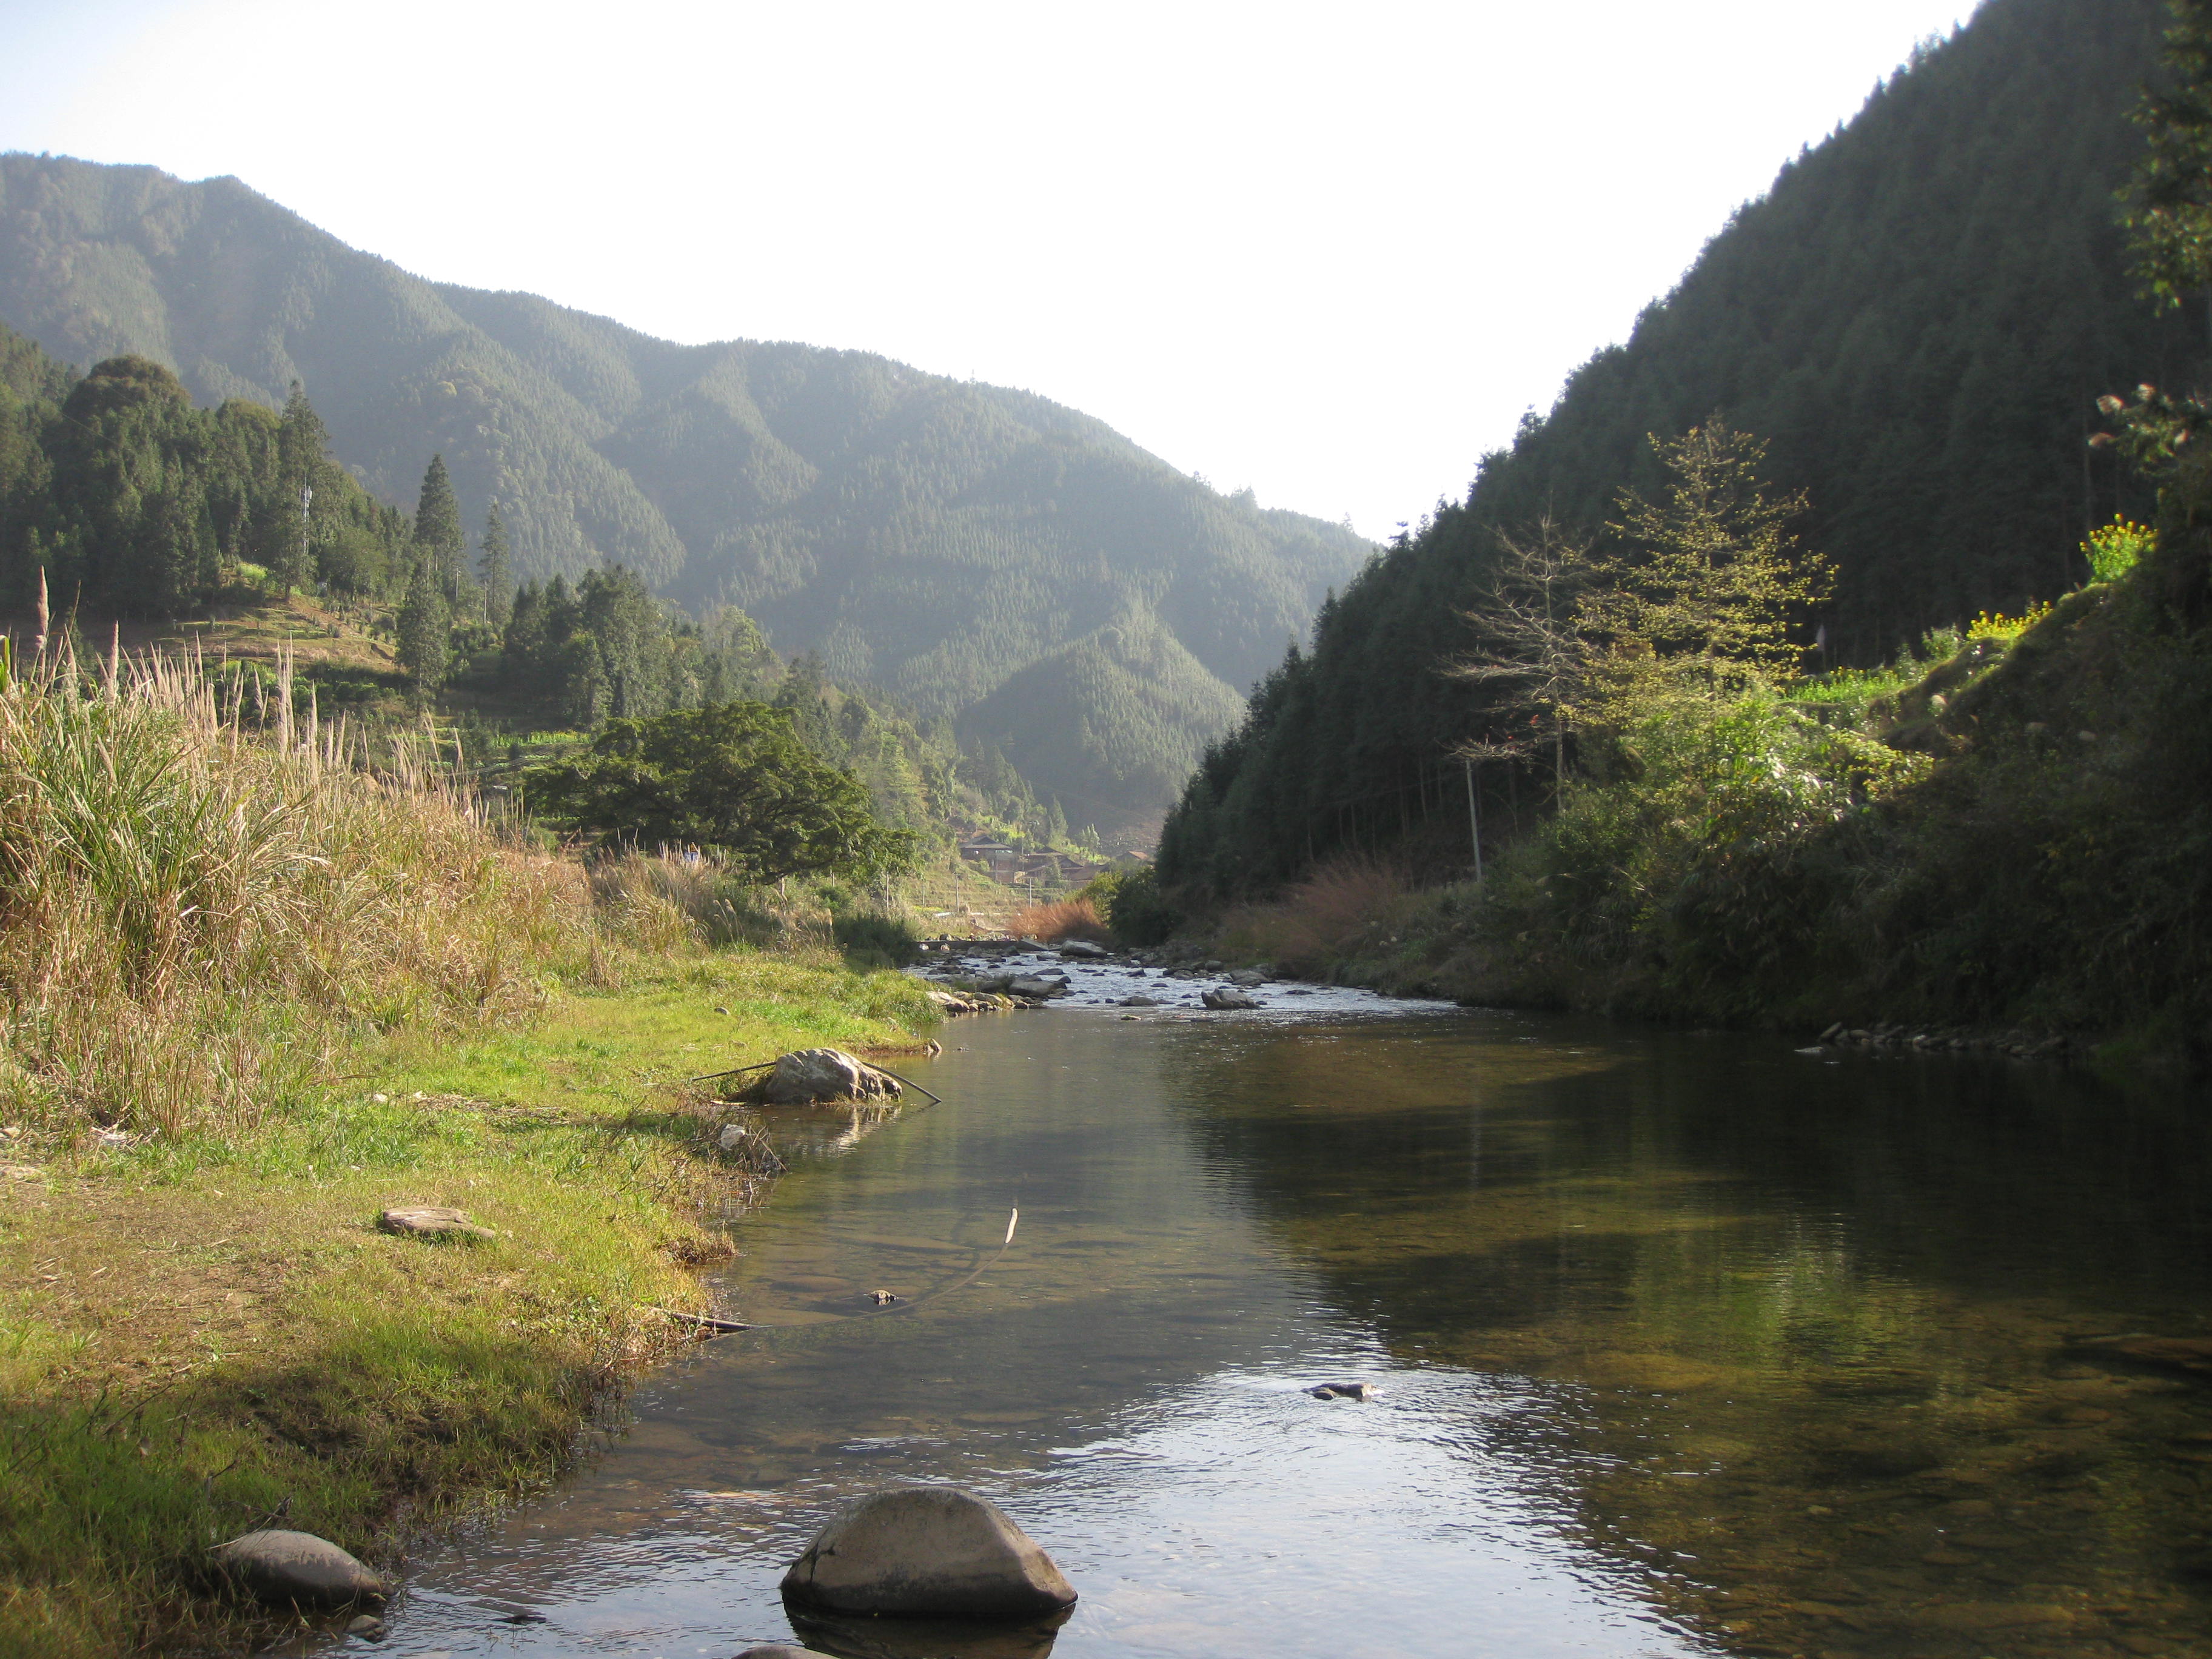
[1683, 1345]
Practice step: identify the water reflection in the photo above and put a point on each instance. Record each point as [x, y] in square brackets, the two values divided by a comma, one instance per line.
[1684, 1346]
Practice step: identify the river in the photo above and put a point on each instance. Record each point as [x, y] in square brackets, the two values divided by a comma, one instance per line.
[1684, 1344]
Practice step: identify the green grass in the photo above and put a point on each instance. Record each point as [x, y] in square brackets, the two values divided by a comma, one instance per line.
[255, 987]
[255, 1347]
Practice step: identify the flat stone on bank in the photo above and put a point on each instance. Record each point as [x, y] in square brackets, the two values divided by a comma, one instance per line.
[282, 1567]
[430, 1221]
[926, 1552]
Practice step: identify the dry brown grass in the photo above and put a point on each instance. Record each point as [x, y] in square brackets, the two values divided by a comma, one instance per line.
[1064, 920]
[1323, 918]
[193, 914]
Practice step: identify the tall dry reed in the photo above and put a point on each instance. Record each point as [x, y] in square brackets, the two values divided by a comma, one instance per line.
[1341, 906]
[193, 912]
[1064, 919]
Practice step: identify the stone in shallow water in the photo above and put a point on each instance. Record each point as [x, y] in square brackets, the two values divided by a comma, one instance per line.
[284, 1567]
[808, 1077]
[928, 1551]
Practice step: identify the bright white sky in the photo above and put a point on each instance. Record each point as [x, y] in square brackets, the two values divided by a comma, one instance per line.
[1330, 252]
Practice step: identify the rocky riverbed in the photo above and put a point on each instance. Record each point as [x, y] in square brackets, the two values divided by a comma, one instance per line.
[1145, 984]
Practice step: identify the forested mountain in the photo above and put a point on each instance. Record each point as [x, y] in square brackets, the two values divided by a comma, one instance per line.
[1118, 714]
[1919, 318]
[927, 536]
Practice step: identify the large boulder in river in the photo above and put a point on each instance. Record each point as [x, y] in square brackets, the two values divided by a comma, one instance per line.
[926, 1552]
[289, 1569]
[1035, 987]
[1226, 998]
[811, 1076]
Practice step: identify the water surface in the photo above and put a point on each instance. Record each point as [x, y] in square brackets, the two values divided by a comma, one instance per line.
[1686, 1344]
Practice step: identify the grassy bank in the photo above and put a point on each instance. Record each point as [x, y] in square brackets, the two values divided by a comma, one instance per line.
[254, 993]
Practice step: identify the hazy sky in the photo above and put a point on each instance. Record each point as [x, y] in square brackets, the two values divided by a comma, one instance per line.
[1332, 252]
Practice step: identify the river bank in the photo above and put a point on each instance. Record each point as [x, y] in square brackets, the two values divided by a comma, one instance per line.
[200, 1336]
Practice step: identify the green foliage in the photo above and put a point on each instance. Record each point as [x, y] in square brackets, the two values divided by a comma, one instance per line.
[132, 501]
[732, 776]
[2169, 200]
[425, 628]
[2117, 549]
[1129, 901]
[493, 571]
[871, 938]
[1913, 317]
[1710, 573]
[439, 538]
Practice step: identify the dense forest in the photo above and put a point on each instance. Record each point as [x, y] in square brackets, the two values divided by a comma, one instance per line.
[118, 496]
[1916, 320]
[926, 537]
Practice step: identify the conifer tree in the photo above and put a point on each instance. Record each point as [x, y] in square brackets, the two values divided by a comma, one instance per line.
[425, 628]
[492, 570]
[301, 442]
[1713, 578]
[2170, 200]
[438, 530]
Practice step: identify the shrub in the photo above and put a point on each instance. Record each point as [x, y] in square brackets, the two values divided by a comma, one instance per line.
[1131, 904]
[2117, 549]
[871, 938]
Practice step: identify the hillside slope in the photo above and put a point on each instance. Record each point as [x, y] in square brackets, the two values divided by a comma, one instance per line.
[1919, 316]
[1114, 716]
[929, 535]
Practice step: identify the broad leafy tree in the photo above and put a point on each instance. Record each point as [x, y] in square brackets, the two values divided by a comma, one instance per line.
[734, 776]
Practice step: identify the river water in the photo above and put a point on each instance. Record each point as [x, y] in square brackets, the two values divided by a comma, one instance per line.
[1684, 1345]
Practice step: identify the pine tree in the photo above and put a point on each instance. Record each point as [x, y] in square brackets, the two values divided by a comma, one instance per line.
[300, 443]
[1714, 578]
[438, 530]
[2169, 201]
[425, 628]
[491, 569]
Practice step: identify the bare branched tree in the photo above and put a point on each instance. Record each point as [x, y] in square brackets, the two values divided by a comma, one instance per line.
[1530, 643]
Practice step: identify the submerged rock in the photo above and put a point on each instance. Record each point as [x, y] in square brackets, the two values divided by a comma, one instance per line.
[930, 1551]
[1345, 1391]
[284, 1568]
[809, 1077]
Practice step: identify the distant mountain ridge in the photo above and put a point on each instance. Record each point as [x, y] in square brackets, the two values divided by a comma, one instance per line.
[928, 535]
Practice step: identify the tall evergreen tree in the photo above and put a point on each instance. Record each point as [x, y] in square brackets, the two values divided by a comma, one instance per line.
[425, 626]
[2169, 200]
[301, 440]
[492, 570]
[438, 530]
